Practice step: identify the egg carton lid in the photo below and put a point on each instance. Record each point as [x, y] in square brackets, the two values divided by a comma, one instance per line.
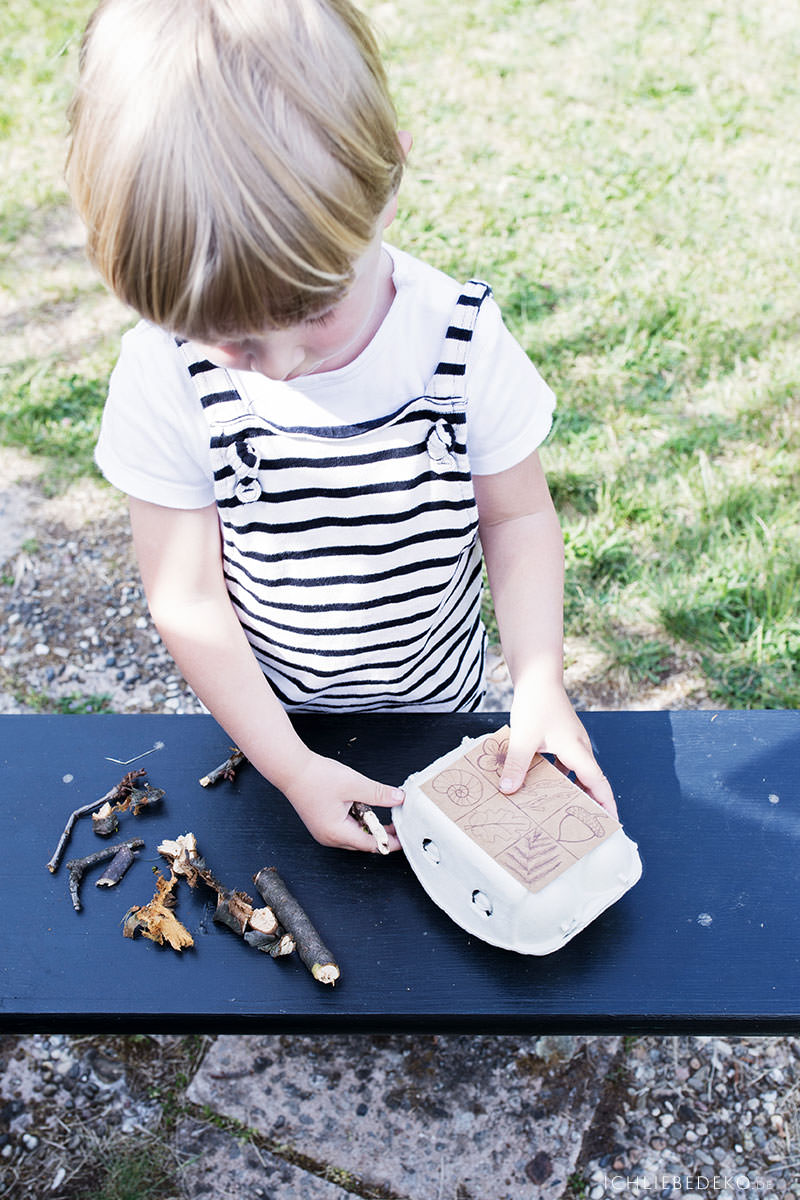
[526, 872]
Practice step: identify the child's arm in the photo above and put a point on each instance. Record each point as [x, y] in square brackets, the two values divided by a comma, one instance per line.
[524, 554]
[180, 558]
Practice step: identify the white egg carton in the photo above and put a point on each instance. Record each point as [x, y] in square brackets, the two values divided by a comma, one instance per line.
[525, 872]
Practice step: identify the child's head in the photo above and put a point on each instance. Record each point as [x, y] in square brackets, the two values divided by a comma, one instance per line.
[231, 158]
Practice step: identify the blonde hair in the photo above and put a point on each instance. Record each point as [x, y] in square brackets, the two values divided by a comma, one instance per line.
[230, 158]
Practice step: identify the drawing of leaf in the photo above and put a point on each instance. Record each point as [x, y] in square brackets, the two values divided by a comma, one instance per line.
[534, 856]
[495, 827]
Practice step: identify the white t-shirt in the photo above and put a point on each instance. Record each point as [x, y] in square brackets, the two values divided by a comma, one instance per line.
[154, 439]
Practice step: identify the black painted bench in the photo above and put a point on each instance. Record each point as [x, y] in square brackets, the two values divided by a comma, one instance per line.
[707, 941]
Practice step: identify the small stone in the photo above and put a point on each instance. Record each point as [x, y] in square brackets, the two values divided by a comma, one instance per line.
[540, 1167]
[41, 648]
[29, 1141]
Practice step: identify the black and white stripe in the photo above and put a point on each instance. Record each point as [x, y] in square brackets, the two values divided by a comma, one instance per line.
[351, 553]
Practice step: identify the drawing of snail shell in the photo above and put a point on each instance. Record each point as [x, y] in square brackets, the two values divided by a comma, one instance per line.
[460, 787]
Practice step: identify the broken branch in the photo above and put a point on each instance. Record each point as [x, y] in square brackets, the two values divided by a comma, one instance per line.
[117, 867]
[120, 789]
[226, 770]
[258, 926]
[104, 821]
[295, 920]
[156, 920]
[78, 867]
[368, 820]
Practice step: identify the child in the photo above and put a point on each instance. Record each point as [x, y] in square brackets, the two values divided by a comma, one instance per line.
[312, 427]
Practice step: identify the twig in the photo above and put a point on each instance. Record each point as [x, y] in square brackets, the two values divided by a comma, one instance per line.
[277, 945]
[295, 920]
[104, 821]
[258, 926]
[226, 770]
[368, 820]
[122, 788]
[77, 867]
[117, 867]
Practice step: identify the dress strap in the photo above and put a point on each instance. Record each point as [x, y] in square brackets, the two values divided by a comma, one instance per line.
[449, 378]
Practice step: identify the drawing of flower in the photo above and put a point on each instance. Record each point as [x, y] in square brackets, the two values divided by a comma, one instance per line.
[492, 758]
[460, 787]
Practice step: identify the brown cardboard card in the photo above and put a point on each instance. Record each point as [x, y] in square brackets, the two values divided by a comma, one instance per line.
[536, 834]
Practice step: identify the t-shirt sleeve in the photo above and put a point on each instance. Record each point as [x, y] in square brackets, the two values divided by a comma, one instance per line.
[509, 407]
[153, 442]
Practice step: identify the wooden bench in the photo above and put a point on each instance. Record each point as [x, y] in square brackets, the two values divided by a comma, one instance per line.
[707, 941]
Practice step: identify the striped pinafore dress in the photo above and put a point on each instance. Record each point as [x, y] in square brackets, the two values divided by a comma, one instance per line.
[351, 553]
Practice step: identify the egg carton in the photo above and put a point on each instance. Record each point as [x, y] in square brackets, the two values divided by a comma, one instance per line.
[525, 872]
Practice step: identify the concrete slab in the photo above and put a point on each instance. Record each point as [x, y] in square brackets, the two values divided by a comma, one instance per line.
[219, 1166]
[421, 1117]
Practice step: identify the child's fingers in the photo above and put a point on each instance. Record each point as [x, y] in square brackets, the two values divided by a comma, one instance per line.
[384, 796]
[593, 781]
[519, 757]
[358, 839]
[376, 795]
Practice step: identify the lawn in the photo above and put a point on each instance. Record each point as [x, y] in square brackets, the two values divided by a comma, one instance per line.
[627, 176]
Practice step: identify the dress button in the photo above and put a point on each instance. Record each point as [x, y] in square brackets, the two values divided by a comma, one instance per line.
[440, 442]
[247, 489]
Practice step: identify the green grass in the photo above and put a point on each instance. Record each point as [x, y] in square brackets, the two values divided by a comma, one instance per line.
[626, 177]
[623, 176]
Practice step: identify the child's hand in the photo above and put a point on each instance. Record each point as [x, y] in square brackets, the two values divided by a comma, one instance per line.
[321, 793]
[542, 719]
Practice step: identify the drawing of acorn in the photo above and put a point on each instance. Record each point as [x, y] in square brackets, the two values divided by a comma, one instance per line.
[578, 825]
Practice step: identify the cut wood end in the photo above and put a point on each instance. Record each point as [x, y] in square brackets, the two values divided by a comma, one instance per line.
[181, 853]
[325, 972]
[263, 920]
[285, 945]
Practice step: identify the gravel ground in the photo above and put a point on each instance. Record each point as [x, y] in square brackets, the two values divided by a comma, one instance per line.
[715, 1116]
[711, 1115]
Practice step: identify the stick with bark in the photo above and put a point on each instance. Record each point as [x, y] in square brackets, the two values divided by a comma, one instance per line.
[104, 821]
[117, 867]
[368, 819]
[78, 867]
[226, 770]
[120, 790]
[295, 919]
